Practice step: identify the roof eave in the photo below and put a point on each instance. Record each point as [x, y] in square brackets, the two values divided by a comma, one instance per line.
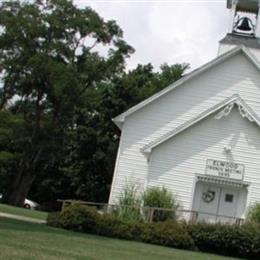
[119, 122]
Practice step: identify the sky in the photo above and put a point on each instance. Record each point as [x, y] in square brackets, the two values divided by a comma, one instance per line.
[172, 31]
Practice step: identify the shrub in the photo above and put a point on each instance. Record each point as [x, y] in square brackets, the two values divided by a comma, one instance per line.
[160, 198]
[232, 240]
[254, 213]
[169, 233]
[75, 217]
[129, 204]
[109, 225]
[112, 226]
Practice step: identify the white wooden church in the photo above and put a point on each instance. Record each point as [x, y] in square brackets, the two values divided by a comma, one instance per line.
[200, 136]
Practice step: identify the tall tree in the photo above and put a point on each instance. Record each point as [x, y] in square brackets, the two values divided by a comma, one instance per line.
[49, 61]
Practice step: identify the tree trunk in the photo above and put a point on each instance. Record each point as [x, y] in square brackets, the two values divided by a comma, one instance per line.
[23, 180]
[20, 189]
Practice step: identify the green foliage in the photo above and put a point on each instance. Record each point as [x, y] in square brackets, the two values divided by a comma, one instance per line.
[160, 198]
[129, 196]
[75, 217]
[254, 213]
[168, 233]
[112, 226]
[129, 204]
[10, 139]
[232, 240]
[6, 156]
[49, 64]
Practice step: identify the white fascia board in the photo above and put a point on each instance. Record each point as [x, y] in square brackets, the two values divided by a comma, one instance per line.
[251, 56]
[236, 99]
[239, 101]
[119, 120]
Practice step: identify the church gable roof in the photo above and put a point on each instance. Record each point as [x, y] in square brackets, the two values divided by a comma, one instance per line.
[223, 108]
[119, 120]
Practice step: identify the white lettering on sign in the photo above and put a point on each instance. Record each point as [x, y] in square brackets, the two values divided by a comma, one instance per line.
[228, 170]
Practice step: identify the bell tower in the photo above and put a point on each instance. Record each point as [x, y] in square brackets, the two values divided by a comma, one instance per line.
[244, 25]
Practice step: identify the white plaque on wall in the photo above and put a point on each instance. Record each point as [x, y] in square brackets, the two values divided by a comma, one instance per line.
[224, 169]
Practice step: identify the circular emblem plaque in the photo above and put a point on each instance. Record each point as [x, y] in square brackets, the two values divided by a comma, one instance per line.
[208, 196]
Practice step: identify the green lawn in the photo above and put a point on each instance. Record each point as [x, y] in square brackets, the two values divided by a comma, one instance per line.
[21, 240]
[23, 212]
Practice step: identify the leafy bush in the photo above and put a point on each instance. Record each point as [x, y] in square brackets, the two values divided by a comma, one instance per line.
[254, 213]
[232, 240]
[75, 217]
[129, 204]
[169, 233]
[111, 226]
[160, 198]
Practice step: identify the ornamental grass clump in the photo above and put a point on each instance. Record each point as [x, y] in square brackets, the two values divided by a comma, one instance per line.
[129, 204]
[160, 198]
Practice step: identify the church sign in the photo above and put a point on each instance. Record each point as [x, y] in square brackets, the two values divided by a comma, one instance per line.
[224, 169]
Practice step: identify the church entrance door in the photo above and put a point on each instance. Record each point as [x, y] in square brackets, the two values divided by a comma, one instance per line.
[217, 203]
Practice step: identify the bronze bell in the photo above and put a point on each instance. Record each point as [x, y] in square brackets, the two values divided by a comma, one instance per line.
[245, 24]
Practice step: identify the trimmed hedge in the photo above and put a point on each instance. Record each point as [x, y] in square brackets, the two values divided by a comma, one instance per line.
[77, 218]
[232, 240]
[169, 233]
[224, 239]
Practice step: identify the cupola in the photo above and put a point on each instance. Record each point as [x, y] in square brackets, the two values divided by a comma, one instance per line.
[244, 25]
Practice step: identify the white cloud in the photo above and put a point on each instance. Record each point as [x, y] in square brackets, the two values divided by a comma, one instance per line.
[167, 31]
